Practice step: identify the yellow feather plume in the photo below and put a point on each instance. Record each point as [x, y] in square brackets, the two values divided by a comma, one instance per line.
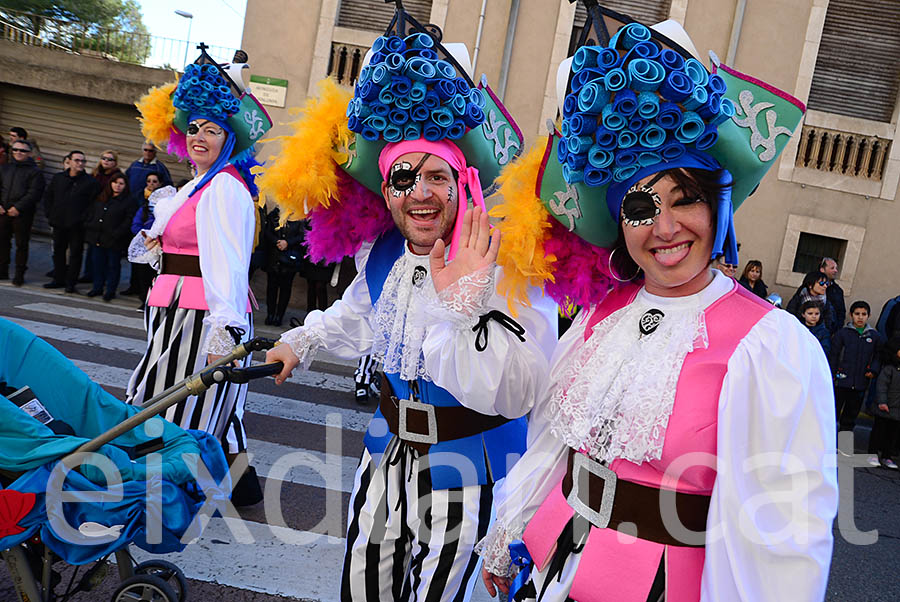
[524, 227]
[302, 176]
[157, 113]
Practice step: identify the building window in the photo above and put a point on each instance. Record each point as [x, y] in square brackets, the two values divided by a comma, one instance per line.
[812, 248]
[647, 12]
[857, 71]
[375, 15]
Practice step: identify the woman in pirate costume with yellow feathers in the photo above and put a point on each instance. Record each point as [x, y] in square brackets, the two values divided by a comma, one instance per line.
[685, 447]
[415, 141]
[199, 305]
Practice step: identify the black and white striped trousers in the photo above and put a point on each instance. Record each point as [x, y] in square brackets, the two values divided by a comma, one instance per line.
[174, 340]
[407, 541]
[365, 370]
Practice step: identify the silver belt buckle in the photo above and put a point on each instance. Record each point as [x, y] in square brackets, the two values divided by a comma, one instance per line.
[598, 518]
[431, 437]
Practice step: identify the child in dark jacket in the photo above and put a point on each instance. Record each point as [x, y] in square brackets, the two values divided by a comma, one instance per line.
[811, 312]
[883, 439]
[855, 360]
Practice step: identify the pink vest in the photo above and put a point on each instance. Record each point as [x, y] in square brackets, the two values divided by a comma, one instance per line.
[620, 568]
[180, 237]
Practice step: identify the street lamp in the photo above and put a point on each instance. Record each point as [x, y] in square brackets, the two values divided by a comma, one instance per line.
[190, 18]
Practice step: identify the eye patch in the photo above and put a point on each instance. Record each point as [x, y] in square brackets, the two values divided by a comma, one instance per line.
[402, 179]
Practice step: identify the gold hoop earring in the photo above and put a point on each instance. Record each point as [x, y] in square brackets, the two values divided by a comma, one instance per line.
[613, 273]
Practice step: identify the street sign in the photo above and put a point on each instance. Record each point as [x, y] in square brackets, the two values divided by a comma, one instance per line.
[269, 90]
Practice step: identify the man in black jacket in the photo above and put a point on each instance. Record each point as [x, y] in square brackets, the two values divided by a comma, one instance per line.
[21, 186]
[834, 293]
[67, 199]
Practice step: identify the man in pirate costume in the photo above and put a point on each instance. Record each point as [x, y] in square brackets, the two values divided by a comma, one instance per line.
[199, 305]
[685, 448]
[416, 140]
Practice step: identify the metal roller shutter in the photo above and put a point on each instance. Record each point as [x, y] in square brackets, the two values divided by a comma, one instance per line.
[61, 123]
[645, 11]
[375, 15]
[857, 70]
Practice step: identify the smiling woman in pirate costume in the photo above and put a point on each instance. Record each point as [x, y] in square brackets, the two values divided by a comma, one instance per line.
[415, 141]
[201, 240]
[676, 388]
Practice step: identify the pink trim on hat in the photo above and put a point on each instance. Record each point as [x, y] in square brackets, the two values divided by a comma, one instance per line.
[749, 78]
[449, 152]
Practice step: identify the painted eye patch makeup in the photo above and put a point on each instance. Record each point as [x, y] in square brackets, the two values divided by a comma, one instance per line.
[641, 204]
[403, 177]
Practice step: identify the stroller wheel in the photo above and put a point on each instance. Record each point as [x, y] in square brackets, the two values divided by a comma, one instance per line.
[144, 588]
[168, 572]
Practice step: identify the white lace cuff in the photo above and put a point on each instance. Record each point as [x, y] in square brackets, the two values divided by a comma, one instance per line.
[494, 549]
[219, 341]
[463, 302]
[304, 343]
[138, 253]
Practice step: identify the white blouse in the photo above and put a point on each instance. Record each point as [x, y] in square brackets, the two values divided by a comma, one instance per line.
[505, 379]
[776, 399]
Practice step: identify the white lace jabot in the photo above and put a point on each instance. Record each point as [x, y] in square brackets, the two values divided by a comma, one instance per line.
[615, 398]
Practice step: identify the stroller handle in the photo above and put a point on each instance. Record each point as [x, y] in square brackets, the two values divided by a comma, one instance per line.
[192, 385]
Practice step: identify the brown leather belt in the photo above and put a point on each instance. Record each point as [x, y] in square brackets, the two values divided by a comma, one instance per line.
[607, 501]
[181, 265]
[422, 425]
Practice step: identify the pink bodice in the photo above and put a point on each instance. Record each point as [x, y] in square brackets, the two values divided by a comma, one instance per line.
[619, 567]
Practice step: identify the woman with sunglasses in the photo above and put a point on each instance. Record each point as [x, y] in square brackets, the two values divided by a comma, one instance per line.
[685, 445]
[106, 168]
[814, 288]
[199, 306]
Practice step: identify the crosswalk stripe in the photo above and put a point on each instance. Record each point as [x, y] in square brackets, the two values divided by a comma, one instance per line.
[79, 313]
[260, 403]
[303, 466]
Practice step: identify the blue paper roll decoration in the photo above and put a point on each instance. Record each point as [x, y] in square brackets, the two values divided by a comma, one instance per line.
[645, 74]
[377, 57]
[611, 120]
[608, 59]
[585, 58]
[419, 40]
[403, 102]
[625, 158]
[671, 60]
[652, 136]
[394, 44]
[605, 138]
[592, 99]
[708, 138]
[671, 151]
[716, 84]
[431, 100]
[710, 109]
[566, 127]
[631, 34]
[419, 113]
[626, 139]
[647, 105]
[445, 89]
[380, 109]
[562, 151]
[615, 80]
[445, 69]
[385, 96]
[442, 116]
[579, 80]
[579, 145]
[576, 161]
[393, 133]
[458, 105]
[456, 130]
[378, 45]
[400, 85]
[690, 129]
[623, 174]
[369, 91]
[474, 116]
[572, 176]
[380, 74]
[432, 131]
[669, 116]
[697, 99]
[637, 125]
[394, 62]
[375, 122]
[625, 103]
[676, 87]
[581, 125]
[365, 74]
[477, 98]
[353, 123]
[425, 53]
[594, 176]
[462, 86]
[570, 105]
[643, 50]
[419, 69]
[412, 131]
[363, 111]
[648, 158]
[599, 157]
[726, 112]
[398, 116]
[696, 71]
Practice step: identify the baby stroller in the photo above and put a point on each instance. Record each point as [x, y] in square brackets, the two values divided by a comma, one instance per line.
[86, 475]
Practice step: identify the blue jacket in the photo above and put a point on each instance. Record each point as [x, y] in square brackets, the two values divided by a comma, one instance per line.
[477, 460]
[143, 220]
[820, 331]
[854, 354]
[137, 175]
